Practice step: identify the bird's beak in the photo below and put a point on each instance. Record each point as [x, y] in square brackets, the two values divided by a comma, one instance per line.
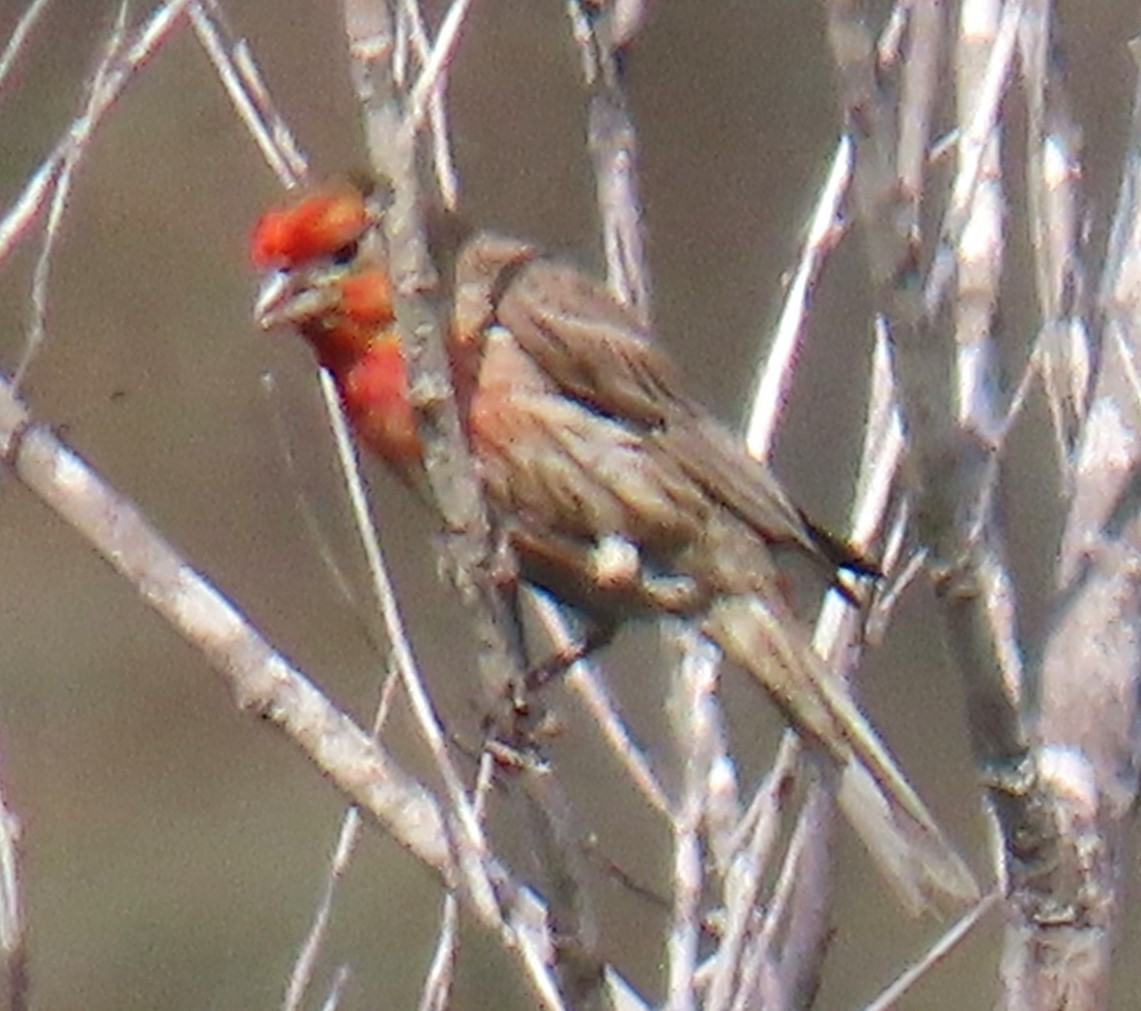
[292, 297]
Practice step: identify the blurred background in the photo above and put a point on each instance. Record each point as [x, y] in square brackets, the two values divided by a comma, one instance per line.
[175, 848]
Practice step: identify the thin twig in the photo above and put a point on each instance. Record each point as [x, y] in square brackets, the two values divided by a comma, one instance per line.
[1053, 144]
[19, 37]
[239, 75]
[697, 727]
[775, 376]
[80, 139]
[469, 839]
[301, 976]
[744, 879]
[392, 138]
[938, 953]
[613, 144]
[336, 988]
[265, 683]
[447, 178]
[1066, 882]
[585, 682]
[133, 54]
[441, 972]
[13, 933]
[973, 141]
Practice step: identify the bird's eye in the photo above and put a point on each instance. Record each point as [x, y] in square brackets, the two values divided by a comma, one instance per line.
[347, 253]
[316, 225]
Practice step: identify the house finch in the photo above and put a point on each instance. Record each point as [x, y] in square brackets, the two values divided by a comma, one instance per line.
[620, 494]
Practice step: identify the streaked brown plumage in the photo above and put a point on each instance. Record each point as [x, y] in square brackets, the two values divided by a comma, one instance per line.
[620, 494]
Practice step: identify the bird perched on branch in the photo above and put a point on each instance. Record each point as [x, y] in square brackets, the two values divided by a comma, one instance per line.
[618, 492]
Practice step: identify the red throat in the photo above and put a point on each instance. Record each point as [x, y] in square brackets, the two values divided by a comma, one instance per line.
[375, 392]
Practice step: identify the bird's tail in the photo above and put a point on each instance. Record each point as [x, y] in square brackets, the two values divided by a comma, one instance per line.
[894, 824]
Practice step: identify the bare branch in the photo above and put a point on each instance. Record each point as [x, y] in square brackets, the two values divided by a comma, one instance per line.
[112, 79]
[263, 682]
[1054, 148]
[941, 950]
[301, 977]
[1066, 885]
[13, 929]
[19, 38]
[776, 374]
[246, 89]
[613, 145]
[391, 138]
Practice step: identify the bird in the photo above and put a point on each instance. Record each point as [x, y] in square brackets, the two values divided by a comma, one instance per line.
[620, 494]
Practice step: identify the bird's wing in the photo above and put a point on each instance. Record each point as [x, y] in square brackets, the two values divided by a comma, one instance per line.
[590, 346]
[567, 467]
[595, 350]
[716, 459]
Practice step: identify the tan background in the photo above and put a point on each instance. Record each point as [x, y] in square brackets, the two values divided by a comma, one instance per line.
[176, 848]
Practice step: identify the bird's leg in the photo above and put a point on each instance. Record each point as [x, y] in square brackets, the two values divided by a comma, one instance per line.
[598, 630]
[596, 635]
[505, 576]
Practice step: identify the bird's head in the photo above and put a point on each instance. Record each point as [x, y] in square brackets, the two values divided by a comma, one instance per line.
[323, 273]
